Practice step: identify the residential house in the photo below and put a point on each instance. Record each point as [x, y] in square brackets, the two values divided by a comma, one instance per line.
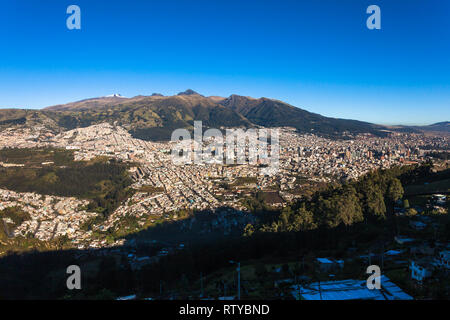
[421, 269]
[326, 264]
[403, 240]
[443, 259]
[418, 225]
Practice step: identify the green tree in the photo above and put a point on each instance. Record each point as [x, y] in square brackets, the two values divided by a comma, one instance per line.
[411, 212]
[395, 190]
[406, 203]
[286, 217]
[345, 208]
[375, 202]
[304, 219]
[249, 230]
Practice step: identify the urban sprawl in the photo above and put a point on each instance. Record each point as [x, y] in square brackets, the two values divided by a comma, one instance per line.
[195, 186]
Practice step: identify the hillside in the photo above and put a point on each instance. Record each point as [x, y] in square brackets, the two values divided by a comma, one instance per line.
[146, 117]
[438, 127]
[155, 117]
[273, 113]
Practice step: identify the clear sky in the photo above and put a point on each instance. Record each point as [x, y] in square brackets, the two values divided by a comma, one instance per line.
[317, 54]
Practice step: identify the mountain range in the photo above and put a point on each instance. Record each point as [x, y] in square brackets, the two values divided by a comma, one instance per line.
[155, 117]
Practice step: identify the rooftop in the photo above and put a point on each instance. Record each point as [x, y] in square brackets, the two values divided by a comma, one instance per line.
[351, 290]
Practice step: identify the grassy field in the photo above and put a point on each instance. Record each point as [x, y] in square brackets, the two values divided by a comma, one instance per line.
[240, 181]
[151, 189]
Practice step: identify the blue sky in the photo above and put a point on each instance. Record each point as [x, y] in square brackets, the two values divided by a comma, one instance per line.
[317, 55]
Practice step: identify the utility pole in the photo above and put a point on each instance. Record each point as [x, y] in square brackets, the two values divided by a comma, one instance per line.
[239, 280]
[297, 280]
[201, 285]
[239, 277]
[320, 290]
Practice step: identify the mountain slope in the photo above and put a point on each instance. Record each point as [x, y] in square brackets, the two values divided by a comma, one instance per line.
[87, 104]
[155, 117]
[148, 117]
[438, 127]
[272, 113]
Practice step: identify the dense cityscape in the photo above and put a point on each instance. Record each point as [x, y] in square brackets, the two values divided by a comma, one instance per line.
[198, 187]
[224, 158]
[167, 191]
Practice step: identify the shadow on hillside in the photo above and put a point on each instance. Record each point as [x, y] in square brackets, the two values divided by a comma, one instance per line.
[36, 274]
[202, 226]
[171, 255]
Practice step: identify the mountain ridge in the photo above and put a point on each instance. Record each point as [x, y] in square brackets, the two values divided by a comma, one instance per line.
[154, 117]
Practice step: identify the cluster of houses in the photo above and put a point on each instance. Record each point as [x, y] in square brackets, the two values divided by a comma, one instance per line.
[423, 268]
